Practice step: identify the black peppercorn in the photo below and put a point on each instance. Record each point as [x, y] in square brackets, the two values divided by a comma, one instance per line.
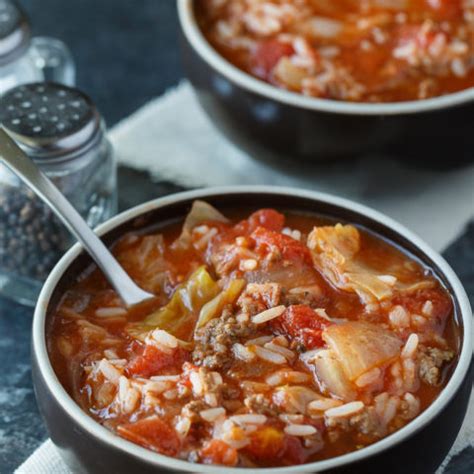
[31, 237]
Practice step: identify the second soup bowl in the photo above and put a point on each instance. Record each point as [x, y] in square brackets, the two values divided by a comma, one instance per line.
[275, 124]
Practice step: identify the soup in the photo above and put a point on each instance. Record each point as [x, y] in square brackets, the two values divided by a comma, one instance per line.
[350, 50]
[274, 339]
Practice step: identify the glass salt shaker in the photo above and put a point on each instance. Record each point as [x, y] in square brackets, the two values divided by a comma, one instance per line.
[24, 59]
[62, 131]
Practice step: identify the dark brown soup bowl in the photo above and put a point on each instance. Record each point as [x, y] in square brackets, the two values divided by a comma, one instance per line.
[270, 123]
[87, 447]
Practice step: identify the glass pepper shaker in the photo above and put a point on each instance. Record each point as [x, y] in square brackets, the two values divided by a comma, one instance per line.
[62, 131]
[24, 59]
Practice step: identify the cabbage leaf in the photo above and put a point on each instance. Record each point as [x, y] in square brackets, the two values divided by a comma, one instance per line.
[179, 316]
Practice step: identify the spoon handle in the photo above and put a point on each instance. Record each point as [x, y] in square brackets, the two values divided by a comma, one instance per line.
[15, 159]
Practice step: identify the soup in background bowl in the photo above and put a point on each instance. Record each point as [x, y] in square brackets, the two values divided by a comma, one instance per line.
[351, 50]
[279, 336]
[319, 80]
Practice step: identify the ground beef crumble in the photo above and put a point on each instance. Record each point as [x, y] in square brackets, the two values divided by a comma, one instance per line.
[366, 422]
[311, 296]
[258, 403]
[258, 297]
[192, 409]
[213, 343]
[431, 361]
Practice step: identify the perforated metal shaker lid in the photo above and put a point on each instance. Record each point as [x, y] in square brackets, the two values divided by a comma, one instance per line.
[49, 120]
[14, 31]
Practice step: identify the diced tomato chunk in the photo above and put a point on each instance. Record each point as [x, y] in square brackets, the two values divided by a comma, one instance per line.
[269, 445]
[294, 452]
[267, 218]
[267, 55]
[152, 433]
[152, 361]
[266, 444]
[218, 452]
[302, 324]
[289, 248]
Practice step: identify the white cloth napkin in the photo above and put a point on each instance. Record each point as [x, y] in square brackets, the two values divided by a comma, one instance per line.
[173, 139]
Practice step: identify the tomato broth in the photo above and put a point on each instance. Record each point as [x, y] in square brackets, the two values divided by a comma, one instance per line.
[359, 51]
[274, 339]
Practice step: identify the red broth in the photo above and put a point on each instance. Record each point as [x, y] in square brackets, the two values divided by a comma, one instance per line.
[275, 340]
[351, 50]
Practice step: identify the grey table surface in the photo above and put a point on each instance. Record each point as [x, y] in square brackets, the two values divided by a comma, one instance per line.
[126, 53]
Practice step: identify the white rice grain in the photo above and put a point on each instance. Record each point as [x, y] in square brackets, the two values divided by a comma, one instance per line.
[268, 314]
[243, 318]
[109, 371]
[323, 27]
[157, 387]
[390, 410]
[248, 265]
[281, 341]
[410, 347]
[280, 350]
[182, 426]
[287, 376]
[111, 354]
[410, 378]
[458, 67]
[300, 430]
[323, 404]
[250, 418]
[127, 395]
[427, 309]
[291, 418]
[259, 341]
[269, 356]
[275, 379]
[399, 317]
[165, 378]
[204, 240]
[342, 411]
[243, 353]
[164, 338]
[311, 289]
[241, 241]
[297, 377]
[293, 233]
[212, 414]
[418, 320]
[388, 279]
[216, 378]
[236, 443]
[413, 405]
[211, 399]
[197, 383]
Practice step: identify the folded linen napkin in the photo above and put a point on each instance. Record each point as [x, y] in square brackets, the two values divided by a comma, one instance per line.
[173, 139]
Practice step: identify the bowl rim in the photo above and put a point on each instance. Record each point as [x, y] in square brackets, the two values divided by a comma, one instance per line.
[202, 47]
[40, 353]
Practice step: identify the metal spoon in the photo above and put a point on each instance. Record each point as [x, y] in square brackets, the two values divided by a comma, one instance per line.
[15, 159]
